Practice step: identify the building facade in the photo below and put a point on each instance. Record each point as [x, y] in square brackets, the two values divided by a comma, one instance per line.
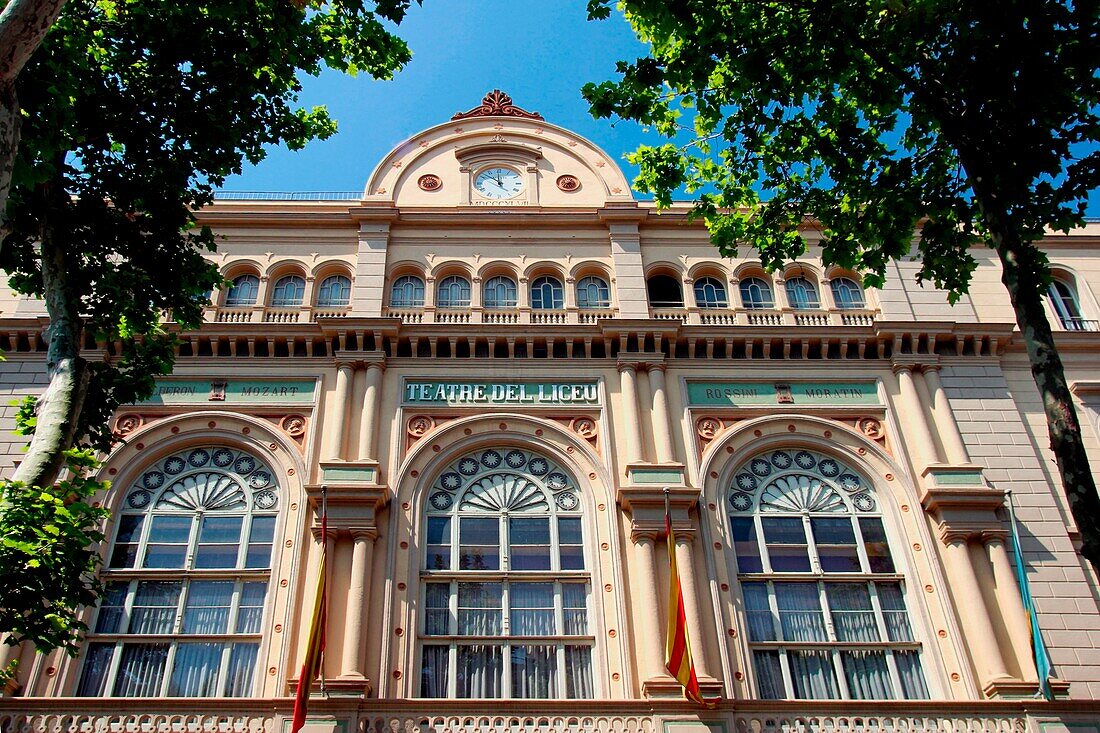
[487, 368]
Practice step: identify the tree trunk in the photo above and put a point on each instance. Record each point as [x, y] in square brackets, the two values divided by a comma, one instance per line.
[58, 409]
[1024, 275]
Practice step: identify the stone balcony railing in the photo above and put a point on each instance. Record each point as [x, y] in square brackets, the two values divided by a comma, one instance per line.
[228, 715]
[274, 314]
[511, 316]
[763, 316]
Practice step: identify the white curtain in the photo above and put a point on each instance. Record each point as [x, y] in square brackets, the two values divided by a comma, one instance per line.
[251, 610]
[480, 668]
[769, 675]
[437, 599]
[534, 669]
[242, 666]
[97, 662]
[141, 670]
[532, 609]
[574, 599]
[109, 619]
[758, 613]
[207, 610]
[893, 609]
[155, 605]
[867, 675]
[479, 609]
[813, 675]
[195, 671]
[800, 612]
[433, 673]
[853, 616]
[578, 672]
[913, 686]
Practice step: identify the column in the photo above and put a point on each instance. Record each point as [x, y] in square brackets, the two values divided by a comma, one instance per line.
[630, 425]
[924, 446]
[355, 619]
[948, 428]
[368, 419]
[984, 649]
[662, 433]
[650, 641]
[338, 427]
[685, 564]
[1012, 605]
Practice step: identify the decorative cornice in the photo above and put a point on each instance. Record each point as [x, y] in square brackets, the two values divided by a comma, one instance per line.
[497, 104]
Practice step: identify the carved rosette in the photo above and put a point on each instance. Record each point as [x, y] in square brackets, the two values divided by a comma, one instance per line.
[568, 183]
[497, 104]
[429, 182]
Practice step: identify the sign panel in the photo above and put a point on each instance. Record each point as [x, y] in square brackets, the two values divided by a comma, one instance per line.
[759, 394]
[462, 394]
[237, 391]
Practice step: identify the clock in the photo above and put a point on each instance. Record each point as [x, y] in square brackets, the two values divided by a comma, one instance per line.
[498, 183]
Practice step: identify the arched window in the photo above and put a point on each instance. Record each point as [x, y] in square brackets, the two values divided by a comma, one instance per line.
[500, 292]
[593, 292]
[547, 294]
[710, 293]
[454, 292]
[825, 608]
[756, 294]
[243, 291]
[288, 292]
[186, 579]
[408, 292]
[801, 294]
[664, 292]
[847, 294]
[335, 291]
[505, 584]
[1063, 299]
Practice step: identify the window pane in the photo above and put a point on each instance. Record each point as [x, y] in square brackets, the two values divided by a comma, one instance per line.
[155, 606]
[786, 541]
[126, 541]
[913, 686]
[578, 673]
[111, 607]
[251, 610]
[769, 675]
[168, 537]
[479, 543]
[259, 542]
[530, 543]
[534, 669]
[745, 545]
[853, 616]
[195, 670]
[437, 608]
[242, 666]
[893, 609]
[439, 544]
[800, 616]
[868, 678]
[97, 663]
[532, 609]
[219, 542]
[141, 670]
[757, 612]
[593, 292]
[207, 610]
[433, 672]
[480, 668]
[874, 539]
[813, 675]
[574, 600]
[479, 609]
[570, 545]
[836, 544]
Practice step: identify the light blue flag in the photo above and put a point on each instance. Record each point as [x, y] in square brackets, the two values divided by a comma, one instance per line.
[1038, 648]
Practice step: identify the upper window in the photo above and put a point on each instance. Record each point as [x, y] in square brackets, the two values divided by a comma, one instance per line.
[593, 292]
[664, 292]
[243, 291]
[454, 292]
[288, 292]
[847, 294]
[408, 292]
[825, 604]
[710, 293]
[186, 580]
[1065, 303]
[801, 294]
[335, 291]
[756, 293]
[547, 294]
[506, 590]
[500, 292]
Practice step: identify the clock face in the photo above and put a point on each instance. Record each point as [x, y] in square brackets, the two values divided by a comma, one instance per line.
[498, 183]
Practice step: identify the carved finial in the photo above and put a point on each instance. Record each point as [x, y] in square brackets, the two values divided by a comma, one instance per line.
[497, 103]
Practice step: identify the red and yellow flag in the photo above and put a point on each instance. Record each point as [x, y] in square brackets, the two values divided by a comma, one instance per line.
[677, 648]
[315, 646]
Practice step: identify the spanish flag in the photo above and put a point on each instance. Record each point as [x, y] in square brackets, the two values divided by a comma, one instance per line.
[677, 648]
[315, 646]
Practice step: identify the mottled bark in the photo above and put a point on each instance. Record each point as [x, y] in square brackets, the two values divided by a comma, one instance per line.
[23, 25]
[58, 409]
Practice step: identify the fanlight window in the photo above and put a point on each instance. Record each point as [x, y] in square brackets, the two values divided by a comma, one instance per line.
[335, 291]
[243, 291]
[186, 580]
[593, 292]
[500, 292]
[288, 292]
[547, 294]
[710, 293]
[407, 292]
[825, 605]
[756, 294]
[801, 294]
[454, 292]
[505, 581]
[847, 294]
